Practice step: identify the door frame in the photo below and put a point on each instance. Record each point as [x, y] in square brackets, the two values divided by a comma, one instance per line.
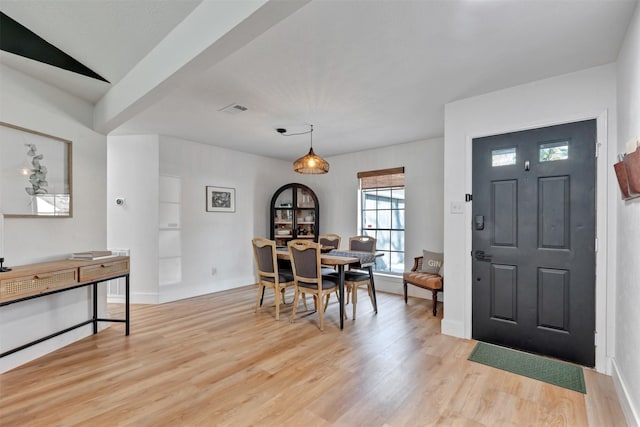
[604, 297]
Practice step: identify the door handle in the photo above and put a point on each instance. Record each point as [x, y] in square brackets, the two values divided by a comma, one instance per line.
[481, 256]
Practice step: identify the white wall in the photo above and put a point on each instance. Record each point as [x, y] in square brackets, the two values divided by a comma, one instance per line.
[132, 167]
[577, 96]
[626, 365]
[220, 240]
[34, 105]
[337, 192]
[208, 240]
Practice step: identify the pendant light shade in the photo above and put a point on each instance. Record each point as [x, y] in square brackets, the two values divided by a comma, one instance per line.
[311, 163]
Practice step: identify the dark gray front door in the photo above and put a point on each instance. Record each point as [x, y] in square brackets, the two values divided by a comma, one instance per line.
[534, 240]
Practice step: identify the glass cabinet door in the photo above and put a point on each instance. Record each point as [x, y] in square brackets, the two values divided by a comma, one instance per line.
[294, 214]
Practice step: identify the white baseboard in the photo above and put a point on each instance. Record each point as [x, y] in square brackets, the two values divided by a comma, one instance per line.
[135, 298]
[144, 298]
[454, 329]
[390, 284]
[630, 413]
[115, 299]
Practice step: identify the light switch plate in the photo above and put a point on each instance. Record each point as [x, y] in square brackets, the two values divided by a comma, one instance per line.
[457, 207]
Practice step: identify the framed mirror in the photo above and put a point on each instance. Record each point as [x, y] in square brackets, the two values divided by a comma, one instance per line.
[35, 174]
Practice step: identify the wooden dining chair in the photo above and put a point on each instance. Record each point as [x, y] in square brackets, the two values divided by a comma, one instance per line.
[308, 277]
[354, 278]
[269, 275]
[329, 241]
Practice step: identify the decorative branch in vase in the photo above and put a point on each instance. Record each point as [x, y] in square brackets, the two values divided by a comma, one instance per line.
[38, 177]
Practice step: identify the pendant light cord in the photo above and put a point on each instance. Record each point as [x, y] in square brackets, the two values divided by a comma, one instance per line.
[299, 133]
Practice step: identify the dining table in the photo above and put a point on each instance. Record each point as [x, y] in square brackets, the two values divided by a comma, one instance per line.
[341, 259]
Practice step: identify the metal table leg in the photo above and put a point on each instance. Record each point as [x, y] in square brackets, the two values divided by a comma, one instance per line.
[126, 308]
[341, 293]
[95, 307]
[373, 289]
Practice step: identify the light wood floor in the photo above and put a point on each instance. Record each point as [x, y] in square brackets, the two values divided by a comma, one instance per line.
[211, 361]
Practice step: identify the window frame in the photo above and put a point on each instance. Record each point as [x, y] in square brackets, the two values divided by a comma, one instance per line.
[385, 180]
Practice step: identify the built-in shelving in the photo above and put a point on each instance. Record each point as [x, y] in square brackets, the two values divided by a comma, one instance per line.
[169, 231]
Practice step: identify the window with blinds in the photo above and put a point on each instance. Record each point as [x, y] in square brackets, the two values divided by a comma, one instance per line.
[382, 208]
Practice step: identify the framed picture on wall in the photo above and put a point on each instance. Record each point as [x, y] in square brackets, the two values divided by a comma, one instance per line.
[221, 199]
[35, 174]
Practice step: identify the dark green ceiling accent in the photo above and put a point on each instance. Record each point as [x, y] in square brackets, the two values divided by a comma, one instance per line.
[19, 40]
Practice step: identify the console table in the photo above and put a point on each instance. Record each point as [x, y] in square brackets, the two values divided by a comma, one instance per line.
[31, 281]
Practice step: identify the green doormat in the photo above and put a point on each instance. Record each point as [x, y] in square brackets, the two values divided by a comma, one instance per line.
[539, 368]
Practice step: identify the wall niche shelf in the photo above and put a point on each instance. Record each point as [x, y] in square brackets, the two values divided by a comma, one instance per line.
[295, 214]
[169, 232]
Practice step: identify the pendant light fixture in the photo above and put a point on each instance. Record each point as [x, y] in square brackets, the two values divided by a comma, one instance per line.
[310, 163]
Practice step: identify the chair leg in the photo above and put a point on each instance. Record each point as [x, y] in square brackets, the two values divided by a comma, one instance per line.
[296, 300]
[326, 302]
[435, 301]
[259, 301]
[321, 313]
[304, 301]
[354, 298]
[284, 301]
[276, 297]
[404, 283]
[372, 297]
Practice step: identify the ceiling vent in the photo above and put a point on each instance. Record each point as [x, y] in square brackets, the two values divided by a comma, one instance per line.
[234, 109]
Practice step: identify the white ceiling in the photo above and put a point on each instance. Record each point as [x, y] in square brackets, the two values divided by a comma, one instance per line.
[365, 73]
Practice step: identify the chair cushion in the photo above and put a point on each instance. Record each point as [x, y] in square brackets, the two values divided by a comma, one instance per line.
[327, 271]
[423, 280]
[328, 282]
[355, 276]
[285, 276]
[431, 262]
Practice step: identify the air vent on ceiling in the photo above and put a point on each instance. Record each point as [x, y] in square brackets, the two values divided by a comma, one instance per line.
[234, 109]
